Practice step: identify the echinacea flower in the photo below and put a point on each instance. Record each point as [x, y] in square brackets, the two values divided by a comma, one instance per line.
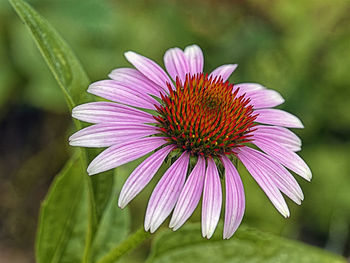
[196, 118]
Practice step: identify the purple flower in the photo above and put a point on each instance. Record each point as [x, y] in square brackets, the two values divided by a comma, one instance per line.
[193, 118]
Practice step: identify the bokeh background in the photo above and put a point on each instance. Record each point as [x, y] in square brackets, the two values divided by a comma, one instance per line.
[299, 48]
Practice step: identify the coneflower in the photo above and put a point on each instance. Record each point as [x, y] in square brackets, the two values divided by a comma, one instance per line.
[197, 118]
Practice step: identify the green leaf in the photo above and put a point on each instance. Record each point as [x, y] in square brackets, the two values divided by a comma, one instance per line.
[61, 60]
[63, 222]
[73, 81]
[63, 217]
[114, 225]
[70, 76]
[247, 245]
[102, 187]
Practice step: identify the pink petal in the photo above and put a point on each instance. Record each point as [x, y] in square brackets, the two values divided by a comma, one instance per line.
[176, 64]
[133, 78]
[120, 154]
[100, 112]
[142, 175]
[285, 156]
[195, 59]
[235, 200]
[148, 68]
[247, 87]
[166, 193]
[190, 195]
[265, 98]
[278, 118]
[265, 182]
[107, 134]
[223, 71]
[212, 200]
[118, 92]
[280, 175]
[280, 135]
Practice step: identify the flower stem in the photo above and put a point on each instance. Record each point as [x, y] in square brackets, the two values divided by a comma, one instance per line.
[92, 221]
[127, 245]
[92, 216]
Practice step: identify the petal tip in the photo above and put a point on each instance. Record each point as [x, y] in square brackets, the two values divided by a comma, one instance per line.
[286, 213]
[74, 110]
[298, 202]
[192, 46]
[176, 227]
[308, 174]
[121, 203]
[91, 170]
[154, 227]
[226, 236]
[147, 225]
[309, 177]
[233, 67]
[91, 87]
[208, 233]
[71, 138]
[299, 124]
[173, 223]
[130, 55]
[111, 74]
[73, 143]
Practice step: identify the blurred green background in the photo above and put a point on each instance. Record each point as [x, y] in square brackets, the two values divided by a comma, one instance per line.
[299, 48]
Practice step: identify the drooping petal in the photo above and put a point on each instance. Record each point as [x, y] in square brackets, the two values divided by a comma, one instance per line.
[235, 200]
[285, 156]
[280, 135]
[107, 134]
[264, 98]
[212, 199]
[166, 193]
[223, 71]
[195, 59]
[102, 112]
[190, 195]
[148, 68]
[123, 153]
[265, 182]
[118, 92]
[176, 64]
[131, 77]
[142, 175]
[278, 117]
[280, 175]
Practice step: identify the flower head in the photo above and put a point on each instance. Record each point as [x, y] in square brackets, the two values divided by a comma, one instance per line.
[204, 116]
[198, 117]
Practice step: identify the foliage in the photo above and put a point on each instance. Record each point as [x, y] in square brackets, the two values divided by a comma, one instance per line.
[298, 48]
[76, 216]
[248, 245]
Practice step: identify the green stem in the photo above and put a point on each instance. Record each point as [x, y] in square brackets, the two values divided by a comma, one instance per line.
[92, 225]
[128, 244]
